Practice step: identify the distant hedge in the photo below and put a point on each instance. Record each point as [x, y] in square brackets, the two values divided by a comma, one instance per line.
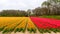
[12, 13]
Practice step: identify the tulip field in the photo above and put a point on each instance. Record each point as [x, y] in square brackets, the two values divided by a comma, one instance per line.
[46, 24]
[30, 24]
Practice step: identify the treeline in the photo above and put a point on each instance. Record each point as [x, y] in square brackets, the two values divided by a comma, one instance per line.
[49, 7]
[45, 11]
[35, 12]
[12, 13]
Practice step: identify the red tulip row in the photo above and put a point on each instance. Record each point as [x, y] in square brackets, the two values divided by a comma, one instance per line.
[46, 23]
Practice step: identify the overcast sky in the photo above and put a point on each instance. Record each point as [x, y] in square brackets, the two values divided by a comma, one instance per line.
[20, 4]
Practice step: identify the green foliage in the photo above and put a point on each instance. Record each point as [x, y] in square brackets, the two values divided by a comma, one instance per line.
[44, 30]
[54, 30]
[32, 30]
[4, 31]
[41, 30]
[1, 28]
[53, 16]
[16, 30]
[11, 13]
[19, 30]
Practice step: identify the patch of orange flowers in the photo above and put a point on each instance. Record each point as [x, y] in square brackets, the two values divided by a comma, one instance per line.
[16, 24]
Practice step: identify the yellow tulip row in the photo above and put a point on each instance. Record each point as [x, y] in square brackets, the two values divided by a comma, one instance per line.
[30, 26]
[7, 21]
[13, 25]
[21, 26]
[16, 24]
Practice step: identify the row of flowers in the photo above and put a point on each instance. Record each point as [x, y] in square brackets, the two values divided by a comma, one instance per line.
[30, 26]
[21, 26]
[16, 24]
[46, 25]
[9, 27]
[5, 21]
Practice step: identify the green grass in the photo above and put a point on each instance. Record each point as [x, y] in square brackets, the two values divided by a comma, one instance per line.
[53, 16]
